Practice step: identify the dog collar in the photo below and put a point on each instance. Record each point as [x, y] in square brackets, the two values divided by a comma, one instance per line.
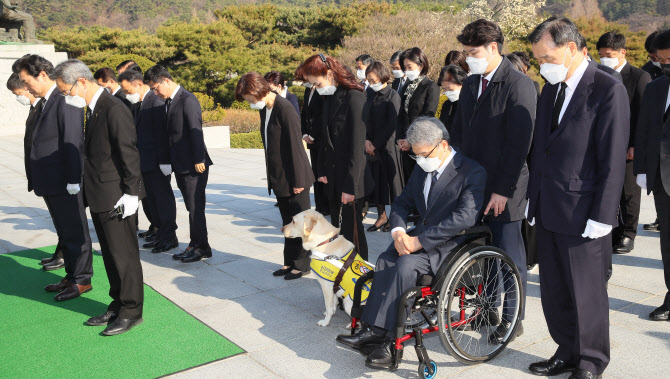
[333, 238]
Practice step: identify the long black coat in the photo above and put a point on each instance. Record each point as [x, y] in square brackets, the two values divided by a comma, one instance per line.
[285, 158]
[424, 102]
[635, 80]
[381, 116]
[310, 118]
[342, 155]
[111, 158]
[152, 141]
[448, 113]
[653, 71]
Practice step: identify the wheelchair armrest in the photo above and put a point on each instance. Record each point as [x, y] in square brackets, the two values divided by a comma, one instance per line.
[356, 309]
[478, 230]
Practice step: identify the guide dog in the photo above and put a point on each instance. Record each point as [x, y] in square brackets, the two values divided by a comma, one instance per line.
[329, 250]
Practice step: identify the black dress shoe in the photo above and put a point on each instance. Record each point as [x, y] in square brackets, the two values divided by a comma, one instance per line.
[151, 244]
[497, 336]
[103, 319]
[652, 226]
[298, 275]
[143, 234]
[151, 237]
[661, 313]
[57, 254]
[184, 253]
[56, 264]
[583, 374]
[375, 228]
[282, 272]
[552, 367]
[57, 287]
[165, 246]
[197, 254]
[624, 246]
[72, 291]
[382, 356]
[365, 336]
[121, 325]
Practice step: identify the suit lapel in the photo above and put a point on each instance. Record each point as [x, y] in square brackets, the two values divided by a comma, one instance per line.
[177, 97]
[447, 175]
[99, 108]
[579, 98]
[333, 107]
[47, 106]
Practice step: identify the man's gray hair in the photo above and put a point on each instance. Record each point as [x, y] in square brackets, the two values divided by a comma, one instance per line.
[71, 70]
[561, 31]
[427, 131]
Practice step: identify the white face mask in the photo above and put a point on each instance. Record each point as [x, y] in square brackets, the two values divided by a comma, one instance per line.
[307, 85]
[327, 90]
[429, 164]
[360, 74]
[134, 98]
[609, 62]
[412, 75]
[398, 74]
[23, 100]
[452, 95]
[258, 106]
[477, 65]
[657, 64]
[76, 100]
[555, 73]
[377, 87]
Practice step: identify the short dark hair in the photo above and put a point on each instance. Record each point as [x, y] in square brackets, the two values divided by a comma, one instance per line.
[417, 56]
[561, 30]
[582, 42]
[612, 40]
[276, 78]
[380, 70]
[481, 32]
[455, 72]
[366, 59]
[106, 74]
[525, 58]
[13, 82]
[251, 83]
[649, 42]
[33, 64]
[396, 56]
[130, 76]
[458, 58]
[156, 74]
[517, 63]
[662, 41]
[125, 64]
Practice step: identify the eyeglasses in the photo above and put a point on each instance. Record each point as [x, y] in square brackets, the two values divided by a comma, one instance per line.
[70, 91]
[156, 88]
[415, 157]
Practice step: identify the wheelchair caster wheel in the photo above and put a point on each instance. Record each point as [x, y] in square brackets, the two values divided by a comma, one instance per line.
[424, 370]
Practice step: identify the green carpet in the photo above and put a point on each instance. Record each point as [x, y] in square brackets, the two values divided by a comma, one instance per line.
[42, 338]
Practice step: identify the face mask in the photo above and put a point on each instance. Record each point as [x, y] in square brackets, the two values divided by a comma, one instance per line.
[429, 164]
[327, 90]
[360, 74]
[23, 100]
[657, 64]
[477, 65]
[258, 106]
[76, 100]
[412, 75]
[134, 98]
[377, 87]
[398, 74]
[666, 69]
[555, 73]
[307, 85]
[452, 95]
[609, 62]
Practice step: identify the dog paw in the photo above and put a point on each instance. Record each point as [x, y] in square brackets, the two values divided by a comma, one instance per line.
[322, 323]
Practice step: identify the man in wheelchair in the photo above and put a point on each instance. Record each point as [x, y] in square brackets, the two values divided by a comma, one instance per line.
[447, 191]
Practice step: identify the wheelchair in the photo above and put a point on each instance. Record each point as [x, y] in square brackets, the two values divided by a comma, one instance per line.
[458, 303]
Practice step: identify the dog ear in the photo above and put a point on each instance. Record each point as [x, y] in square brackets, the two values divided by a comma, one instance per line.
[310, 223]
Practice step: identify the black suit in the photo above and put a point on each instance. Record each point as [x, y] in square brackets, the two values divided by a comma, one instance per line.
[399, 85]
[342, 159]
[635, 81]
[187, 148]
[293, 99]
[576, 175]
[122, 96]
[311, 125]
[152, 143]
[606, 69]
[448, 113]
[55, 154]
[112, 169]
[454, 205]
[654, 72]
[287, 167]
[33, 113]
[496, 130]
[652, 157]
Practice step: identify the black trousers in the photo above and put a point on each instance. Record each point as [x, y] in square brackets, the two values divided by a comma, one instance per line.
[121, 255]
[69, 216]
[294, 255]
[408, 165]
[162, 204]
[347, 228]
[528, 233]
[629, 206]
[662, 202]
[320, 196]
[192, 187]
[574, 298]
[507, 236]
[147, 207]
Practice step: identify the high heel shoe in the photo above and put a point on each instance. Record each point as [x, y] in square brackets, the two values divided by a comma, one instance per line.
[375, 228]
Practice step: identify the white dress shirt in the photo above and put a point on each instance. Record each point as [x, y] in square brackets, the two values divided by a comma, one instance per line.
[268, 112]
[621, 67]
[37, 100]
[95, 98]
[116, 90]
[487, 77]
[174, 93]
[49, 92]
[572, 84]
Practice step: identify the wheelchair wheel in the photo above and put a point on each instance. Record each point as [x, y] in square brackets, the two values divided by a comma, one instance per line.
[424, 370]
[470, 306]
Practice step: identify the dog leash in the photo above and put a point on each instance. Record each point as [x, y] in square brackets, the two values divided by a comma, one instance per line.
[352, 256]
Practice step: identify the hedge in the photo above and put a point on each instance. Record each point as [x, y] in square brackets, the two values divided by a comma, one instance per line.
[246, 140]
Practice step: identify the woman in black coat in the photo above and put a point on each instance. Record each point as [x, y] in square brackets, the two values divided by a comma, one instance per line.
[451, 81]
[341, 163]
[383, 156]
[420, 97]
[288, 173]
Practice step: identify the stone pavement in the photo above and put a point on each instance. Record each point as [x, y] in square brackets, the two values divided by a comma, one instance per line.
[274, 321]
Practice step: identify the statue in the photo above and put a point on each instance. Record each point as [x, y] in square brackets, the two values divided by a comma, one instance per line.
[11, 20]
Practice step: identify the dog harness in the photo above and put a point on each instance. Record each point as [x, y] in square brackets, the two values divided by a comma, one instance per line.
[328, 266]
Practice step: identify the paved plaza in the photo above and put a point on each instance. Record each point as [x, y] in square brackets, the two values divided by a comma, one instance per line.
[274, 320]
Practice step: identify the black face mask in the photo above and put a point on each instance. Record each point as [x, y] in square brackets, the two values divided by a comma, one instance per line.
[665, 67]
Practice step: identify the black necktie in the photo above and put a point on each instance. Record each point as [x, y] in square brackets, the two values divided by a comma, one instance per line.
[167, 104]
[88, 118]
[40, 107]
[433, 181]
[558, 105]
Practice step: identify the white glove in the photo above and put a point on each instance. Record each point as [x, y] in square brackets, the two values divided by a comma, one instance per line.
[166, 169]
[530, 222]
[73, 189]
[130, 204]
[595, 229]
[641, 180]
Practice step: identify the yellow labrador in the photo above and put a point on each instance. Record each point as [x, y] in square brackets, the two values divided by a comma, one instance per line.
[329, 250]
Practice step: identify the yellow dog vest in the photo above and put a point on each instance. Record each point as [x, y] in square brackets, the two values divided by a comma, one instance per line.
[328, 268]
